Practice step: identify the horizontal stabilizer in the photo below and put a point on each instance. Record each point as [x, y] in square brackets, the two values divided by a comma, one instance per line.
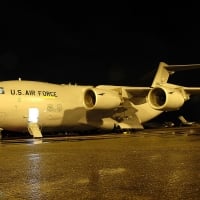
[174, 68]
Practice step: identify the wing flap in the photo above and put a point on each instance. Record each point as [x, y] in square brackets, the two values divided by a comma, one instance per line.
[137, 91]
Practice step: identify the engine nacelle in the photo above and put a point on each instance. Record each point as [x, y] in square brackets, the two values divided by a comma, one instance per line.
[166, 99]
[95, 98]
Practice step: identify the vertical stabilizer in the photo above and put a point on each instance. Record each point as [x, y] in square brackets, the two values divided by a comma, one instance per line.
[161, 76]
[165, 70]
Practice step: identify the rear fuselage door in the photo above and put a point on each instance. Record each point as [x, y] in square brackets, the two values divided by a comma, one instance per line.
[33, 115]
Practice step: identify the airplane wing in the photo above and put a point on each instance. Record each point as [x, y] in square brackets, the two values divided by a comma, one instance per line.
[147, 102]
[143, 91]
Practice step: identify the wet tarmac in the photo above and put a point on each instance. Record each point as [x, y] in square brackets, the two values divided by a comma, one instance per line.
[156, 164]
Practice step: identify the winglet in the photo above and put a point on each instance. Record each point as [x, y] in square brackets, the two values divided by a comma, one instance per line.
[165, 70]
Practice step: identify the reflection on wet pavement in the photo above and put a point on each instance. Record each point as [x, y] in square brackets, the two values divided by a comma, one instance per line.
[150, 164]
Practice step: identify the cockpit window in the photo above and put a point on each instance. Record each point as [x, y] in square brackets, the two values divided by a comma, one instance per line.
[2, 90]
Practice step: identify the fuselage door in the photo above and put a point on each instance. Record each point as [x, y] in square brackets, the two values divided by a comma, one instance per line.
[33, 115]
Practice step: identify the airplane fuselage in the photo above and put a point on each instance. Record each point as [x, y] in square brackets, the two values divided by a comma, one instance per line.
[63, 107]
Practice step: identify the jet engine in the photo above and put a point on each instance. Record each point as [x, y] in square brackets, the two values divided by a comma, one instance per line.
[166, 99]
[95, 98]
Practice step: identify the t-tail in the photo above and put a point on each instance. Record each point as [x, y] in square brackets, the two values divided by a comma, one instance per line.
[165, 70]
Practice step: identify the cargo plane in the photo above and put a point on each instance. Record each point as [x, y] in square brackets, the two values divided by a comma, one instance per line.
[37, 107]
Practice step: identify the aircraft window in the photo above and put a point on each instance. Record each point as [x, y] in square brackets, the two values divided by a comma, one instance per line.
[1, 90]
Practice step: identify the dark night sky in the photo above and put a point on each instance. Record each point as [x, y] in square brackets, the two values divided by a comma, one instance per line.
[63, 43]
[97, 44]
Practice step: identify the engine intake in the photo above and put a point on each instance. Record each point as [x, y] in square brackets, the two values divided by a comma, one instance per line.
[166, 99]
[101, 99]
